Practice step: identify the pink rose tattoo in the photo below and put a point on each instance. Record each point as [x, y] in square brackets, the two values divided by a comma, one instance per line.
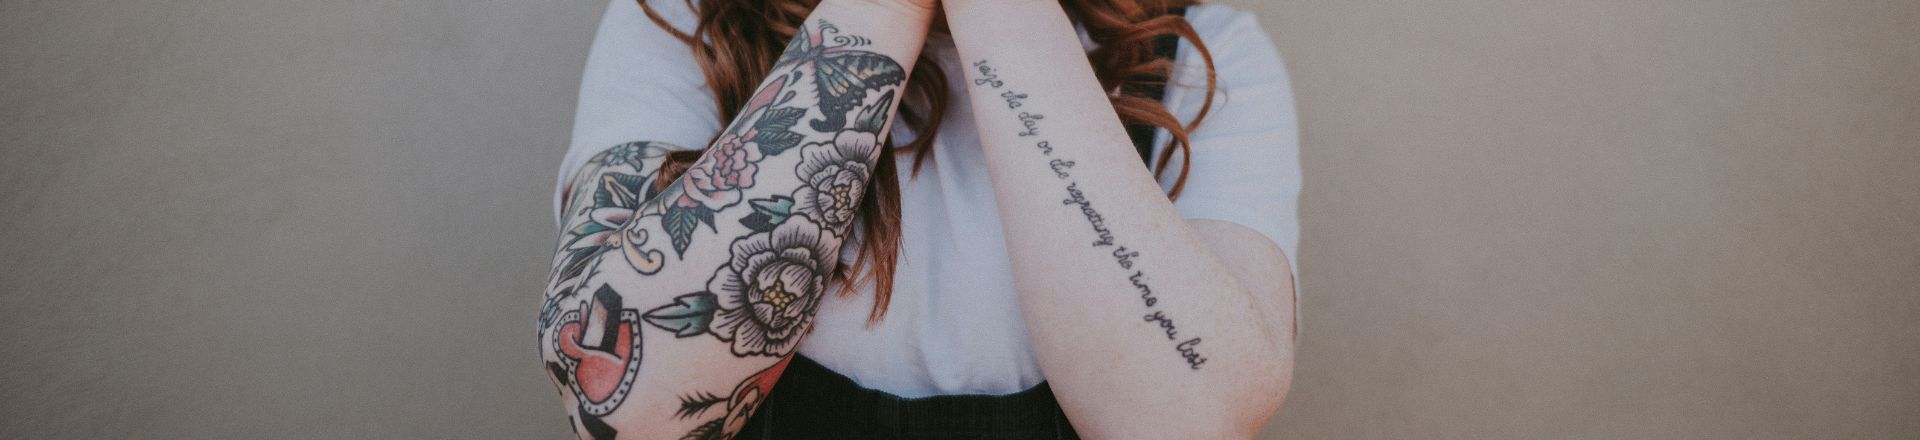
[717, 183]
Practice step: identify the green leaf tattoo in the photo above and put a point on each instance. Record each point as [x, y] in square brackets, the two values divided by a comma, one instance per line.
[680, 223]
[768, 213]
[774, 142]
[689, 315]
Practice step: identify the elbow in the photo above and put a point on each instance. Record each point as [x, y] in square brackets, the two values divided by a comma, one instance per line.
[1240, 415]
[1249, 407]
[1259, 384]
[1247, 418]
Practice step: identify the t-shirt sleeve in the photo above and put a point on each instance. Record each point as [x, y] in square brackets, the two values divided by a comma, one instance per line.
[640, 84]
[1246, 154]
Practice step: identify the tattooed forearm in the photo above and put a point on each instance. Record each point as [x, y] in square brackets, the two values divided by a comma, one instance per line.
[1031, 124]
[762, 216]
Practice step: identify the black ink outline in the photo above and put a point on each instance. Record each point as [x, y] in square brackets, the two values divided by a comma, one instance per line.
[786, 243]
[610, 301]
[1062, 169]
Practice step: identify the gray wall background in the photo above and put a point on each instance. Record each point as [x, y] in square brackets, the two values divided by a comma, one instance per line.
[1537, 219]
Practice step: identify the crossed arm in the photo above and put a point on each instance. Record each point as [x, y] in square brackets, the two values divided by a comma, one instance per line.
[672, 308]
[1148, 325]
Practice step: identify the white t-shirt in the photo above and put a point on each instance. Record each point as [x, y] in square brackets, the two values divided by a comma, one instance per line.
[954, 325]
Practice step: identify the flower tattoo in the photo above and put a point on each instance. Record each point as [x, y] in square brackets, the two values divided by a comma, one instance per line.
[826, 99]
[835, 176]
[770, 288]
[717, 183]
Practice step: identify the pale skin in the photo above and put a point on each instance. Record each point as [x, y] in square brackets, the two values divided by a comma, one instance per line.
[716, 307]
[1115, 376]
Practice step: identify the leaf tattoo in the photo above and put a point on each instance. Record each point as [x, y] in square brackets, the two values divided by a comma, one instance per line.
[768, 213]
[696, 403]
[689, 315]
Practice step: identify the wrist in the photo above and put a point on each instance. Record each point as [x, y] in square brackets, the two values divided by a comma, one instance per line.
[920, 10]
[997, 7]
[896, 28]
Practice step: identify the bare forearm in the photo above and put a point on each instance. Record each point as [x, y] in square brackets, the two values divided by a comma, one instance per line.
[719, 272]
[1141, 328]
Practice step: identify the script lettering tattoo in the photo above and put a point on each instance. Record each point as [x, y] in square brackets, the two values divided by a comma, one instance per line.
[822, 112]
[1076, 198]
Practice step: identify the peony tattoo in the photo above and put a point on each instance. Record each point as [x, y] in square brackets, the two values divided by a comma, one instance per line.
[836, 176]
[769, 290]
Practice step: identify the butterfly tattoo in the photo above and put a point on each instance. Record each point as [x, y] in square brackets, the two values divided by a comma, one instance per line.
[842, 75]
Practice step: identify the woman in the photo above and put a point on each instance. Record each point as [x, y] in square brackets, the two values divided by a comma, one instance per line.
[1021, 233]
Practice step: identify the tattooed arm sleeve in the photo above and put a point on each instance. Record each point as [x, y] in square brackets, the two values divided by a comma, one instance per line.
[1147, 325]
[672, 308]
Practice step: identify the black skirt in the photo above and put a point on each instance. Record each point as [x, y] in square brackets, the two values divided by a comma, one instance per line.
[812, 402]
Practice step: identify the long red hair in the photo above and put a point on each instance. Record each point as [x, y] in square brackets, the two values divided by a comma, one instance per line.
[736, 43]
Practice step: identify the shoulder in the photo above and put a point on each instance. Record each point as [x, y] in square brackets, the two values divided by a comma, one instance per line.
[1243, 52]
[629, 46]
[642, 82]
[1211, 15]
[678, 13]
[625, 21]
[1254, 92]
